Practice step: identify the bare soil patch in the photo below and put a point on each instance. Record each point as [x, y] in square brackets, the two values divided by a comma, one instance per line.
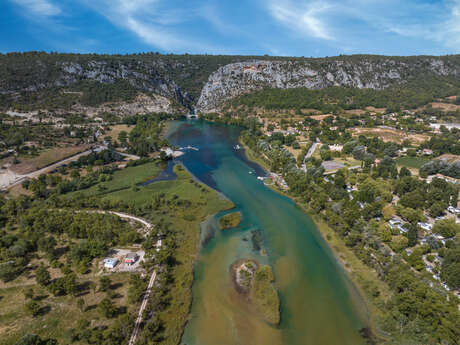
[450, 158]
[46, 158]
[392, 135]
[445, 106]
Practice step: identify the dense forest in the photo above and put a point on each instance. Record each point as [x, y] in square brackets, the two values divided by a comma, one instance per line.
[410, 95]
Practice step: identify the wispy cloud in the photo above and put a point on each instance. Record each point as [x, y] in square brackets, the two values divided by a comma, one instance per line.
[305, 18]
[450, 30]
[152, 21]
[331, 20]
[43, 8]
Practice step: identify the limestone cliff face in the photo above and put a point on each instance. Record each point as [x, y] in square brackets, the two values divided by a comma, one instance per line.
[144, 76]
[238, 78]
[184, 79]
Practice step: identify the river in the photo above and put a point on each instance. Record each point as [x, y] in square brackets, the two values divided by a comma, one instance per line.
[319, 305]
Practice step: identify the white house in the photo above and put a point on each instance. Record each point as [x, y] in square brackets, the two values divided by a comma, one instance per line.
[110, 262]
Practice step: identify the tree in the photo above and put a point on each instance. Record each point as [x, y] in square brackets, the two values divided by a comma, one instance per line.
[122, 138]
[450, 269]
[359, 152]
[106, 308]
[70, 284]
[414, 199]
[104, 283]
[399, 242]
[42, 276]
[29, 293]
[388, 212]
[404, 172]
[33, 308]
[81, 304]
[412, 235]
[32, 339]
[437, 209]
[446, 227]
[47, 244]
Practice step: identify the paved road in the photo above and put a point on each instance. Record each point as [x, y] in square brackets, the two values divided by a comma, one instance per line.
[37, 173]
[309, 154]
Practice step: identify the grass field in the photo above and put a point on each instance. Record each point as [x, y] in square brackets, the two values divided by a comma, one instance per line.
[60, 313]
[411, 162]
[123, 179]
[115, 131]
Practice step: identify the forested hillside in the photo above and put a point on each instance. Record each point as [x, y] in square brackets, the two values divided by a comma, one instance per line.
[38, 80]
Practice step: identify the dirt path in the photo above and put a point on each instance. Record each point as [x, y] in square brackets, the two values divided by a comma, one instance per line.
[145, 300]
[147, 293]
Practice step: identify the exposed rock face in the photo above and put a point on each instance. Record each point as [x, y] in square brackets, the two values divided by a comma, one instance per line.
[143, 104]
[238, 78]
[182, 79]
[143, 76]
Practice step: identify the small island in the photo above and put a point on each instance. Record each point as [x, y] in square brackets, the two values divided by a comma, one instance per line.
[230, 220]
[255, 281]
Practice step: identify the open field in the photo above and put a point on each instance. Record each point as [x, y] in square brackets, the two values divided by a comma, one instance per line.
[115, 131]
[123, 179]
[445, 106]
[392, 135]
[294, 152]
[59, 313]
[46, 158]
[411, 162]
[376, 110]
[449, 157]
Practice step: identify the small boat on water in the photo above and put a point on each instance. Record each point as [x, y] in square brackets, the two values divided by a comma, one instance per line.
[260, 178]
[237, 147]
[189, 148]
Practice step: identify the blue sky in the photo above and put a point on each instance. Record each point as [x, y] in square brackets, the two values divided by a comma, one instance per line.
[247, 27]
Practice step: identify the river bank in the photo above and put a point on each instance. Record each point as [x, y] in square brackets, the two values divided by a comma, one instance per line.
[306, 272]
[363, 279]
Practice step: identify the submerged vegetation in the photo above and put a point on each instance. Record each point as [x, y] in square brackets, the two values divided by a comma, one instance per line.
[255, 282]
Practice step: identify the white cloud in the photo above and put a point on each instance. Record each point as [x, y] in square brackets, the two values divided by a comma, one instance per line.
[351, 20]
[305, 18]
[152, 21]
[39, 7]
[449, 32]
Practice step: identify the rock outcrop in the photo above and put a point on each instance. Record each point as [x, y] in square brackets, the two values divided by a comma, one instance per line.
[242, 77]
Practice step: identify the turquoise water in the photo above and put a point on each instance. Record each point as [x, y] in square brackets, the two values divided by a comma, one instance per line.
[318, 304]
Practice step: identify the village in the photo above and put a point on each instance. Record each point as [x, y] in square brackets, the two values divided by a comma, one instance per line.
[321, 141]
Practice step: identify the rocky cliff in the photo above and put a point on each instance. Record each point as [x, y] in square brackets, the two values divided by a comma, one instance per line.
[40, 75]
[36, 80]
[374, 73]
